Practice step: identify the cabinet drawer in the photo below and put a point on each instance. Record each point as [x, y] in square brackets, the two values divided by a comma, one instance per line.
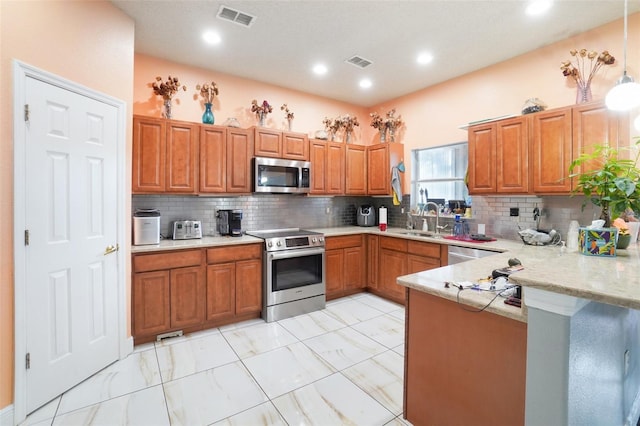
[397, 244]
[424, 249]
[175, 259]
[233, 253]
[343, 242]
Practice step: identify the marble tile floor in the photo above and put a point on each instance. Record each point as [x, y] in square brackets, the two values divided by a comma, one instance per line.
[342, 365]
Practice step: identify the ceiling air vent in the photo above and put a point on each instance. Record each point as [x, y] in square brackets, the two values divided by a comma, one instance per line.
[235, 16]
[358, 61]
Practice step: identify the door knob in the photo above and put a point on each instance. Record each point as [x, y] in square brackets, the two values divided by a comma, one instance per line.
[111, 249]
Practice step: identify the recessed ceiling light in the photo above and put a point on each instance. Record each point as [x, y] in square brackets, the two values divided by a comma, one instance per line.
[320, 69]
[538, 7]
[211, 37]
[365, 83]
[424, 58]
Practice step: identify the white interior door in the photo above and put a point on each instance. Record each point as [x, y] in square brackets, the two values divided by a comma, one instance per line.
[71, 268]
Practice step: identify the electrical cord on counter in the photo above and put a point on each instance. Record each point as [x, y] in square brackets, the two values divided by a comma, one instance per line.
[498, 293]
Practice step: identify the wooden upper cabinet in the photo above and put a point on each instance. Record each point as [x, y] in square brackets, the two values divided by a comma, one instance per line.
[268, 142]
[182, 157]
[482, 158]
[164, 156]
[239, 155]
[355, 169]
[295, 146]
[149, 153]
[594, 124]
[380, 159]
[213, 164]
[551, 151]
[512, 156]
[327, 167]
[318, 159]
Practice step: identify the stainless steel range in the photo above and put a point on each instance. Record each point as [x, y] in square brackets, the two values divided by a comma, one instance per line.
[293, 272]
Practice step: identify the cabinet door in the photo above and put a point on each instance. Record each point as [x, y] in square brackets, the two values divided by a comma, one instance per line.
[378, 170]
[182, 157]
[512, 156]
[318, 159]
[239, 154]
[392, 265]
[151, 303]
[248, 286]
[334, 272]
[148, 151]
[335, 169]
[268, 143]
[221, 286]
[295, 146]
[187, 296]
[354, 272]
[482, 159]
[356, 169]
[593, 124]
[421, 263]
[213, 159]
[551, 151]
[372, 261]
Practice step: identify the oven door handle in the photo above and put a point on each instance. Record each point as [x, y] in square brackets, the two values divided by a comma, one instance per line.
[288, 254]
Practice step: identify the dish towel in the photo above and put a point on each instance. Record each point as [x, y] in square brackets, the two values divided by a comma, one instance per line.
[396, 186]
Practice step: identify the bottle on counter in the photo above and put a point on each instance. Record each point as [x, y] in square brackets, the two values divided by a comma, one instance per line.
[457, 227]
[572, 236]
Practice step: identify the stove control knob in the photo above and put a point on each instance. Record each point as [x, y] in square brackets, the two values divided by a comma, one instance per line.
[269, 244]
[278, 243]
[314, 240]
[321, 239]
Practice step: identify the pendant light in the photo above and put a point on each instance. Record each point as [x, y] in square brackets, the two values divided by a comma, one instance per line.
[626, 93]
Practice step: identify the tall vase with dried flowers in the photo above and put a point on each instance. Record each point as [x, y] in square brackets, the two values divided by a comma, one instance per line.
[288, 114]
[585, 61]
[167, 89]
[348, 122]
[378, 123]
[208, 93]
[332, 126]
[261, 111]
[390, 123]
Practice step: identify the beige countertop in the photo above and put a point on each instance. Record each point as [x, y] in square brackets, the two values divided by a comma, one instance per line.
[166, 245]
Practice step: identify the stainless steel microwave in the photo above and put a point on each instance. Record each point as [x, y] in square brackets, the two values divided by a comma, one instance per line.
[281, 176]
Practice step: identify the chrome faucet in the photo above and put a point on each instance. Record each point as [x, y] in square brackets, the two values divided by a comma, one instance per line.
[437, 214]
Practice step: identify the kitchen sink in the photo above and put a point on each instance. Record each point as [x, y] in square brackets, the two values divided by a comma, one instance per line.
[425, 234]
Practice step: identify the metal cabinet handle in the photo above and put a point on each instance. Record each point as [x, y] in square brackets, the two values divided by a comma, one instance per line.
[111, 249]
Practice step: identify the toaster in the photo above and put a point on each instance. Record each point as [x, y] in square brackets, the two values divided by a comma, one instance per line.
[187, 229]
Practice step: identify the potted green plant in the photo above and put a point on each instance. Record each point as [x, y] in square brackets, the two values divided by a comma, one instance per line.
[611, 180]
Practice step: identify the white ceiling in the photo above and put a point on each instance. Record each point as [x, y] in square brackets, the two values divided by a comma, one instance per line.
[288, 37]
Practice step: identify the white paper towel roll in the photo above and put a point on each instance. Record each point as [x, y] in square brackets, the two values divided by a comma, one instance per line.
[382, 215]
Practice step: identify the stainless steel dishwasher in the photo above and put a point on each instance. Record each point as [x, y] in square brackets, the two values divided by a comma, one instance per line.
[459, 254]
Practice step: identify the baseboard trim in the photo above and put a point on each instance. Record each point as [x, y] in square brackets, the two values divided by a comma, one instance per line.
[6, 416]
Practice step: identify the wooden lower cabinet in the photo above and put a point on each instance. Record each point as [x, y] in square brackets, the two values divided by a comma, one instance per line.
[178, 290]
[448, 353]
[234, 282]
[372, 261]
[344, 265]
[399, 257]
[168, 293]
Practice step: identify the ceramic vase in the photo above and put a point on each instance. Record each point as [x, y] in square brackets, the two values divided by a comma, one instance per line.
[207, 117]
[262, 116]
[623, 241]
[289, 123]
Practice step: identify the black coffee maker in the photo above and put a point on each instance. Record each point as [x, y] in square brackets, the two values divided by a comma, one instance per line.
[230, 222]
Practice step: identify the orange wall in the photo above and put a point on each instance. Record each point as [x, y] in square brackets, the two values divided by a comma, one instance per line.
[89, 42]
[235, 98]
[434, 114]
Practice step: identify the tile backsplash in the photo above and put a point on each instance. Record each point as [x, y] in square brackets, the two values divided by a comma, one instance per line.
[265, 211]
[272, 211]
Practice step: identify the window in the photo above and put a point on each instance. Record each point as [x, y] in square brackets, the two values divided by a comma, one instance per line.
[440, 172]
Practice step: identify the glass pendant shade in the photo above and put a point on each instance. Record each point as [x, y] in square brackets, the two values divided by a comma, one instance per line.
[624, 96]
